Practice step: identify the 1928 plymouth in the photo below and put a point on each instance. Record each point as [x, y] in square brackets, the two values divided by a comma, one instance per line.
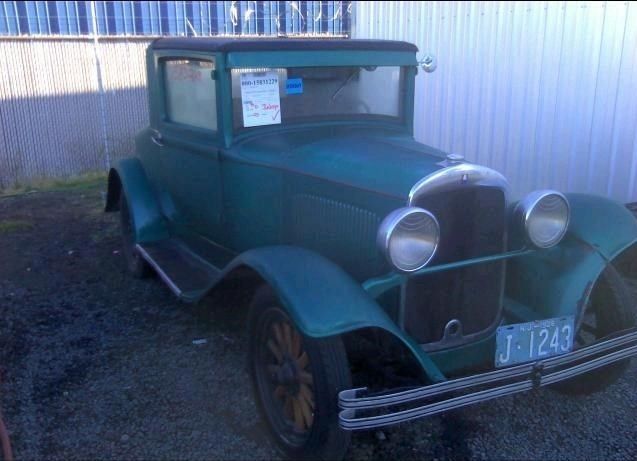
[290, 165]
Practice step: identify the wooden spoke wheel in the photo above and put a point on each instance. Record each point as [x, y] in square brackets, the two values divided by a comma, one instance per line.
[287, 365]
[296, 381]
[609, 309]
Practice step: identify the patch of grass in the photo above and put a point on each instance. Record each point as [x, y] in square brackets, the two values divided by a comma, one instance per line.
[84, 181]
[14, 225]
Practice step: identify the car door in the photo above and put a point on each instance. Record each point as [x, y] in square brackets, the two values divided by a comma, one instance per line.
[189, 148]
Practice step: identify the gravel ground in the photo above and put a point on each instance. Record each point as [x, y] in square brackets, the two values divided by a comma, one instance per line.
[96, 364]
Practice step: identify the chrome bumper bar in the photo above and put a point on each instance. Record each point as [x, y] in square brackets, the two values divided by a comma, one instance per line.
[356, 406]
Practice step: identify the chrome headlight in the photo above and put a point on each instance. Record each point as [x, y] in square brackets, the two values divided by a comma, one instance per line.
[408, 237]
[545, 215]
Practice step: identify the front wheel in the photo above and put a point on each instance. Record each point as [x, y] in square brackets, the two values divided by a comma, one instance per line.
[609, 309]
[296, 381]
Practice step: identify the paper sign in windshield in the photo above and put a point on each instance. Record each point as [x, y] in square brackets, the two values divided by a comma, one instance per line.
[260, 98]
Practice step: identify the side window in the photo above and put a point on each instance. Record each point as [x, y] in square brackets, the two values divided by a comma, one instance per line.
[190, 92]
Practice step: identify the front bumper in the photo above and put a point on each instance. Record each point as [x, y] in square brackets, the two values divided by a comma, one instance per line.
[360, 411]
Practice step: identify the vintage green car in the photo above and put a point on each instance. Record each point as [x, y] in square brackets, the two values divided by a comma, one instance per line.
[383, 280]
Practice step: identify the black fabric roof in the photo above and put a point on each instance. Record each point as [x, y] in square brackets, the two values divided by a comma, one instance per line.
[278, 44]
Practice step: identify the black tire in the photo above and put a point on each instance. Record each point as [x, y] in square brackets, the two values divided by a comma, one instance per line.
[134, 262]
[279, 374]
[610, 309]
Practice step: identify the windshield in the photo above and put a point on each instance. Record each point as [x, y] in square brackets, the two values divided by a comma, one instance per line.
[298, 94]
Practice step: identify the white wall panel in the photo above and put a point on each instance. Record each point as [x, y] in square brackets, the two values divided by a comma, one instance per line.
[545, 92]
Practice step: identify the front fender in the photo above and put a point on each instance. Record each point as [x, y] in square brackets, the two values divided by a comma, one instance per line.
[322, 299]
[148, 222]
[559, 281]
[603, 223]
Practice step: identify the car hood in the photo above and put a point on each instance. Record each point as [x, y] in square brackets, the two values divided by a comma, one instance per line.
[371, 159]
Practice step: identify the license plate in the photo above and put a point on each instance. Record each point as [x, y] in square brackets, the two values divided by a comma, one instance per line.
[525, 342]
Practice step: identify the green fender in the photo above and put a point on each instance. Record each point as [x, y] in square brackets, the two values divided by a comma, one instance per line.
[148, 221]
[605, 224]
[322, 299]
[558, 281]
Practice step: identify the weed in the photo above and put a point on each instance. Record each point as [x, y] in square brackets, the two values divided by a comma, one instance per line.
[84, 181]
[14, 225]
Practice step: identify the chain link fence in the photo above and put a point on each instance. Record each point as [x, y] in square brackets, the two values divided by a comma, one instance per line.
[55, 120]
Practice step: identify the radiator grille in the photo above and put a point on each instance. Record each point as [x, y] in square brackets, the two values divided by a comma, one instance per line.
[472, 224]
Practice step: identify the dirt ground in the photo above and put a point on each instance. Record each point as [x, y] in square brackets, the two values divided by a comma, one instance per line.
[95, 364]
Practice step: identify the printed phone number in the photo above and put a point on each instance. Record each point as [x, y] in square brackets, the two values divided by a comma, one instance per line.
[264, 81]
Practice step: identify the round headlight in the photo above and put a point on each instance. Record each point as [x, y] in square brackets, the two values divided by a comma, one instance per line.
[408, 237]
[545, 214]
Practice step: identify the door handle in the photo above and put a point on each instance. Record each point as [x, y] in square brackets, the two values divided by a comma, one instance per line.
[157, 138]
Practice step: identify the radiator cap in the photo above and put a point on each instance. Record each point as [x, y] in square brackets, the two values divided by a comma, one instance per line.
[455, 158]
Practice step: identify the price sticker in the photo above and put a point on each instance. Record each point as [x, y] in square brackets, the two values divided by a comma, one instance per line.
[260, 98]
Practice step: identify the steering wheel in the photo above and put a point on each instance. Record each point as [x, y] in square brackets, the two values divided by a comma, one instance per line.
[364, 105]
[355, 102]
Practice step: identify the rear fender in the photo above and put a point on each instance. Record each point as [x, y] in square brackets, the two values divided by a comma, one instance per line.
[558, 281]
[148, 222]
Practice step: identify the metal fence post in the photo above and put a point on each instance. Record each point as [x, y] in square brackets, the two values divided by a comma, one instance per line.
[100, 89]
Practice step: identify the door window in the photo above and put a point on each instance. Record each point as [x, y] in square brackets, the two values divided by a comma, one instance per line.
[190, 92]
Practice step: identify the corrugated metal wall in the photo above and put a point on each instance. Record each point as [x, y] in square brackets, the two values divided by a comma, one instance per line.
[545, 92]
[175, 17]
[55, 117]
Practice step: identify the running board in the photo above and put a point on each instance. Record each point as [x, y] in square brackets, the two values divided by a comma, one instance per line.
[517, 379]
[185, 273]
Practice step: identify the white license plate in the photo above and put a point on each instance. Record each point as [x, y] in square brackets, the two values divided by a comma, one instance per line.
[525, 342]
